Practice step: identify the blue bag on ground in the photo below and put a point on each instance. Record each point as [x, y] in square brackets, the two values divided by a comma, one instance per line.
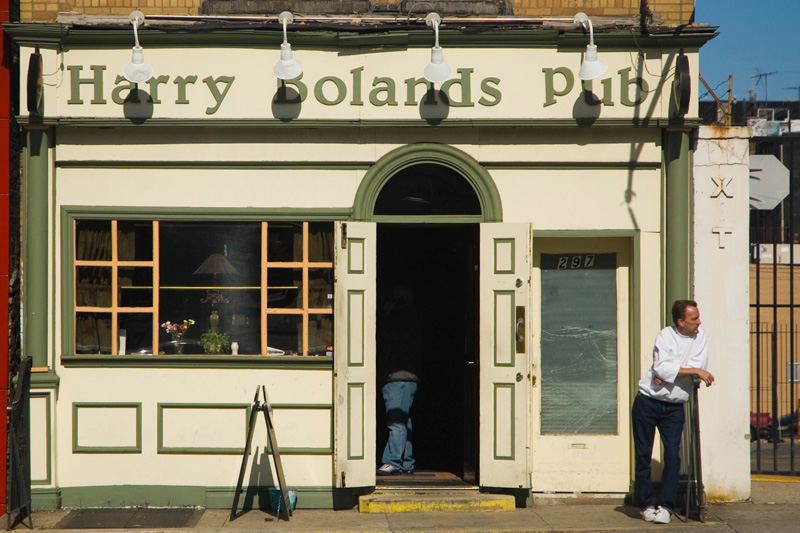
[275, 500]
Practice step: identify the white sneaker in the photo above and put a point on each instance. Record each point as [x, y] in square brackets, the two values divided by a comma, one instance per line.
[649, 514]
[662, 516]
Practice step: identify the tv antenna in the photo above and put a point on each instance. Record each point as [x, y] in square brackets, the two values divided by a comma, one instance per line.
[757, 75]
[795, 88]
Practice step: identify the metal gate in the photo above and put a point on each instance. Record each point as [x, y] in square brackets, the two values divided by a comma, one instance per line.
[775, 320]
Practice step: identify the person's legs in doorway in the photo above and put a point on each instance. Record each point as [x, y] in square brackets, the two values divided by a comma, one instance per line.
[398, 453]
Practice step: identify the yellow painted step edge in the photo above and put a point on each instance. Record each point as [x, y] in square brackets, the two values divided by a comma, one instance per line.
[406, 506]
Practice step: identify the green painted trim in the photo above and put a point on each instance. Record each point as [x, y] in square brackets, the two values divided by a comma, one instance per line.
[511, 340]
[350, 388]
[48, 480]
[512, 259]
[243, 214]
[217, 165]
[362, 319]
[573, 233]
[199, 450]
[302, 406]
[679, 219]
[137, 448]
[198, 361]
[511, 387]
[351, 259]
[428, 219]
[240, 123]
[45, 498]
[45, 380]
[316, 36]
[36, 286]
[571, 165]
[180, 496]
[441, 154]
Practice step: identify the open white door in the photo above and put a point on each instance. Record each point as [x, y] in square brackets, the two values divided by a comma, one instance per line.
[354, 354]
[505, 377]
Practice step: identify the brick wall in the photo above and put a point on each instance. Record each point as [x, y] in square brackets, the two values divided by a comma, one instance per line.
[668, 12]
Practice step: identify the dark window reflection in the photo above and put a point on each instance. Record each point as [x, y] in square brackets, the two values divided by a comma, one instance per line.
[427, 189]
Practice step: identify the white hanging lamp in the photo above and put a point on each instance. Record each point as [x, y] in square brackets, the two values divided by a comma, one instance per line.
[437, 71]
[287, 68]
[137, 71]
[591, 68]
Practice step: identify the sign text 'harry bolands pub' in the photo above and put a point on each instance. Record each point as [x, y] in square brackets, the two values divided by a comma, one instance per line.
[464, 90]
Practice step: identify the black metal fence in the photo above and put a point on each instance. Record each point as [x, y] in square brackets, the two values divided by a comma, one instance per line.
[775, 321]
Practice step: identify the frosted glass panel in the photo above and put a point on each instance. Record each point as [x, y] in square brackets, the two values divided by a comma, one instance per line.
[579, 344]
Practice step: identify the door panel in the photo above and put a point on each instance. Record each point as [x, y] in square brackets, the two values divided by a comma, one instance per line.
[354, 354]
[505, 378]
[581, 436]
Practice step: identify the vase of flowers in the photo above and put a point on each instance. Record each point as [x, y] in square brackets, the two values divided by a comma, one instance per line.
[176, 332]
[214, 341]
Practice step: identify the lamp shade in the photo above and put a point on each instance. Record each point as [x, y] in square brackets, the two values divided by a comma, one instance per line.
[288, 68]
[137, 71]
[591, 68]
[216, 264]
[437, 71]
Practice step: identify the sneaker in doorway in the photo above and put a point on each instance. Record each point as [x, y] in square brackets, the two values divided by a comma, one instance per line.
[649, 514]
[662, 516]
[388, 470]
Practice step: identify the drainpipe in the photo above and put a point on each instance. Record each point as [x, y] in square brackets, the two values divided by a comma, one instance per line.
[678, 196]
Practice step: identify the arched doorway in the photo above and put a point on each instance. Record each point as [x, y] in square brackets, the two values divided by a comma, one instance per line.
[428, 201]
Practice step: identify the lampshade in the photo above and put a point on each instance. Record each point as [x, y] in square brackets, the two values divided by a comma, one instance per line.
[137, 71]
[437, 71]
[591, 68]
[287, 68]
[216, 264]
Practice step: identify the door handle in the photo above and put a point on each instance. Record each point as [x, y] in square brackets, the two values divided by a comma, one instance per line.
[520, 321]
[519, 328]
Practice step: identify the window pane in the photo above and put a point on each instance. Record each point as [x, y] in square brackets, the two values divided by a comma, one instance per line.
[240, 319]
[135, 286]
[284, 242]
[285, 288]
[93, 286]
[320, 242]
[284, 334]
[203, 254]
[579, 344]
[320, 288]
[93, 240]
[93, 333]
[136, 332]
[134, 240]
[320, 334]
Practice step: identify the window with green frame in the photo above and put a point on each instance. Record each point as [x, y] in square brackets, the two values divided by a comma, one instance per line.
[268, 286]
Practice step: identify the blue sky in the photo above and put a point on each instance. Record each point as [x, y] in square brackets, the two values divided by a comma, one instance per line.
[753, 34]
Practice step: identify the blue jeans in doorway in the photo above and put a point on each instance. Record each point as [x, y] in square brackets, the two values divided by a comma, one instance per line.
[398, 397]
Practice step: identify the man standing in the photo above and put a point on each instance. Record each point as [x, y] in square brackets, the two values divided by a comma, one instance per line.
[679, 354]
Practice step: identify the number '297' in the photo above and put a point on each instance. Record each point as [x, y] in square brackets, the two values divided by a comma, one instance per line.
[576, 261]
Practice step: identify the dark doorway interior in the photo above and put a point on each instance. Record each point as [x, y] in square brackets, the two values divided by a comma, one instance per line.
[439, 264]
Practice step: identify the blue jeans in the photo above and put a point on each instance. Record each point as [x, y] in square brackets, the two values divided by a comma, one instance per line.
[649, 414]
[398, 397]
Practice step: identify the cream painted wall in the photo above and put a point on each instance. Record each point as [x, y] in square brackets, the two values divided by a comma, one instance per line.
[151, 386]
[721, 288]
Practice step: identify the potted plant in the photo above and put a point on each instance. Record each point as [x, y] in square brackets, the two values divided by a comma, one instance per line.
[214, 341]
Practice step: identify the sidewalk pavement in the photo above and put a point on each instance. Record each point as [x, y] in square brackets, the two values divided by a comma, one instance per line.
[774, 507]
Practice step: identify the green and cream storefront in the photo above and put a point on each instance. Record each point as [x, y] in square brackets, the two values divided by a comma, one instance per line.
[543, 224]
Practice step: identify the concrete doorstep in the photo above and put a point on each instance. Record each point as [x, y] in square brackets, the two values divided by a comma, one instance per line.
[425, 501]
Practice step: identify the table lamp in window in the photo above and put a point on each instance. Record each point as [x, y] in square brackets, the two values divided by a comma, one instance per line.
[216, 265]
